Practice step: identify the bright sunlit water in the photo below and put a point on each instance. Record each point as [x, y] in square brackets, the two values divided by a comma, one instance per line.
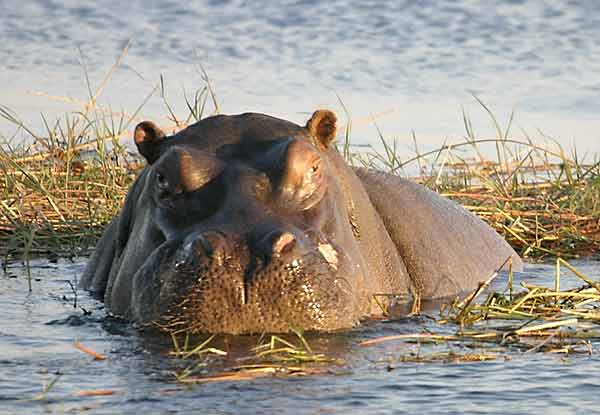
[418, 62]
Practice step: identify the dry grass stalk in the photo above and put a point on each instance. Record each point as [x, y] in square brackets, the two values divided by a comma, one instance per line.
[566, 319]
[87, 350]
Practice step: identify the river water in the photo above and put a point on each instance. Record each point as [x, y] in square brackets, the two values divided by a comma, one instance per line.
[413, 64]
[417, 62]
[38, 330]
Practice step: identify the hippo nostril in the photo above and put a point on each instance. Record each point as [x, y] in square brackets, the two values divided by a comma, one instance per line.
[203, 246]
[163, 183]
[208, 245]
[283, 243]
[216, 246]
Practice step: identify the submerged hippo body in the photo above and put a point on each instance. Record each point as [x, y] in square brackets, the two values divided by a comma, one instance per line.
[249, 223]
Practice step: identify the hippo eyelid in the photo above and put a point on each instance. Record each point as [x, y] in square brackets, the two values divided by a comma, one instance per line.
[196, 169]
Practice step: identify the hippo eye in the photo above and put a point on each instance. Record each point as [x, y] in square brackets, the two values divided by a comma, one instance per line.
[315, 168]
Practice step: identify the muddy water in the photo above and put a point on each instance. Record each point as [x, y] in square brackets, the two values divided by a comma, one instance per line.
[38, 329]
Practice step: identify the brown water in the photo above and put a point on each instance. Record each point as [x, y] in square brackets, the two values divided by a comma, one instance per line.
[38, 329]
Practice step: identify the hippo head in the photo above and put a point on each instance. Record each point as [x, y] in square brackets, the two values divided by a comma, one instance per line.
[238, 224]
[249, 224]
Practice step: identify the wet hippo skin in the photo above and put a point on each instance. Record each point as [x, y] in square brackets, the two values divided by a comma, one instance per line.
[249, 224]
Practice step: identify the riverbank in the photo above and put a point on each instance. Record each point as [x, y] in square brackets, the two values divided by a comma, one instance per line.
[64, 185]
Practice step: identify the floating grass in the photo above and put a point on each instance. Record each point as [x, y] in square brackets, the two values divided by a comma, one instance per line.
[444, 357]
[245, 373]
[534, 302]
[274, 355]
[87, 350]
[278, 349]
[46, 388]
[566, 320]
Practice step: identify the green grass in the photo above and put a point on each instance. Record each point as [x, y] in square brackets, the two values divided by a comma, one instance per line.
[545, 202]
[60, 187]
[273, 355]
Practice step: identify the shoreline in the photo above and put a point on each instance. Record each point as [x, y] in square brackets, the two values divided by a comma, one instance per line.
[58, 193]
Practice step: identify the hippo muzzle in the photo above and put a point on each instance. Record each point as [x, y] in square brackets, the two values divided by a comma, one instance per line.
[212, 282]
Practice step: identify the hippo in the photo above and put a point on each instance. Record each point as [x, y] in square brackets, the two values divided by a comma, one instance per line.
[248, 224]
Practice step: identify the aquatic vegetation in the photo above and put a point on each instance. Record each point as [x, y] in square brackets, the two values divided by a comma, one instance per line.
[536, 319]
[272, 356]
[543, 200]
[61, 187]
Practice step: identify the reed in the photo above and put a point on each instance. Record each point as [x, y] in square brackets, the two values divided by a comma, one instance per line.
[60, 187]
[535, 319]
[543, 199]
[274, 355]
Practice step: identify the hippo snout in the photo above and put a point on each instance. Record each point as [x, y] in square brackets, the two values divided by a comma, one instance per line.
[268, 279]
[254, 251]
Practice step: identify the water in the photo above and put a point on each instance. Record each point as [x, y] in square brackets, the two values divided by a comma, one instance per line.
[38, 329]
[419, 60]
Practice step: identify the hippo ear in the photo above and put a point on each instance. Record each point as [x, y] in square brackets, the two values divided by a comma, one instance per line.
[322, 127]
[148, 138]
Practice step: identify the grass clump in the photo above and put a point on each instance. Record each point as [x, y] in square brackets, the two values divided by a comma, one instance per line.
[272, 356]
[543, 200]
[537, 318]
[60, 188]
[534, 303]
[57, 193]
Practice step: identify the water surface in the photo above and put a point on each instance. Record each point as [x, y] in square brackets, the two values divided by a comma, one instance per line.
[38, 329]
[419, 59]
